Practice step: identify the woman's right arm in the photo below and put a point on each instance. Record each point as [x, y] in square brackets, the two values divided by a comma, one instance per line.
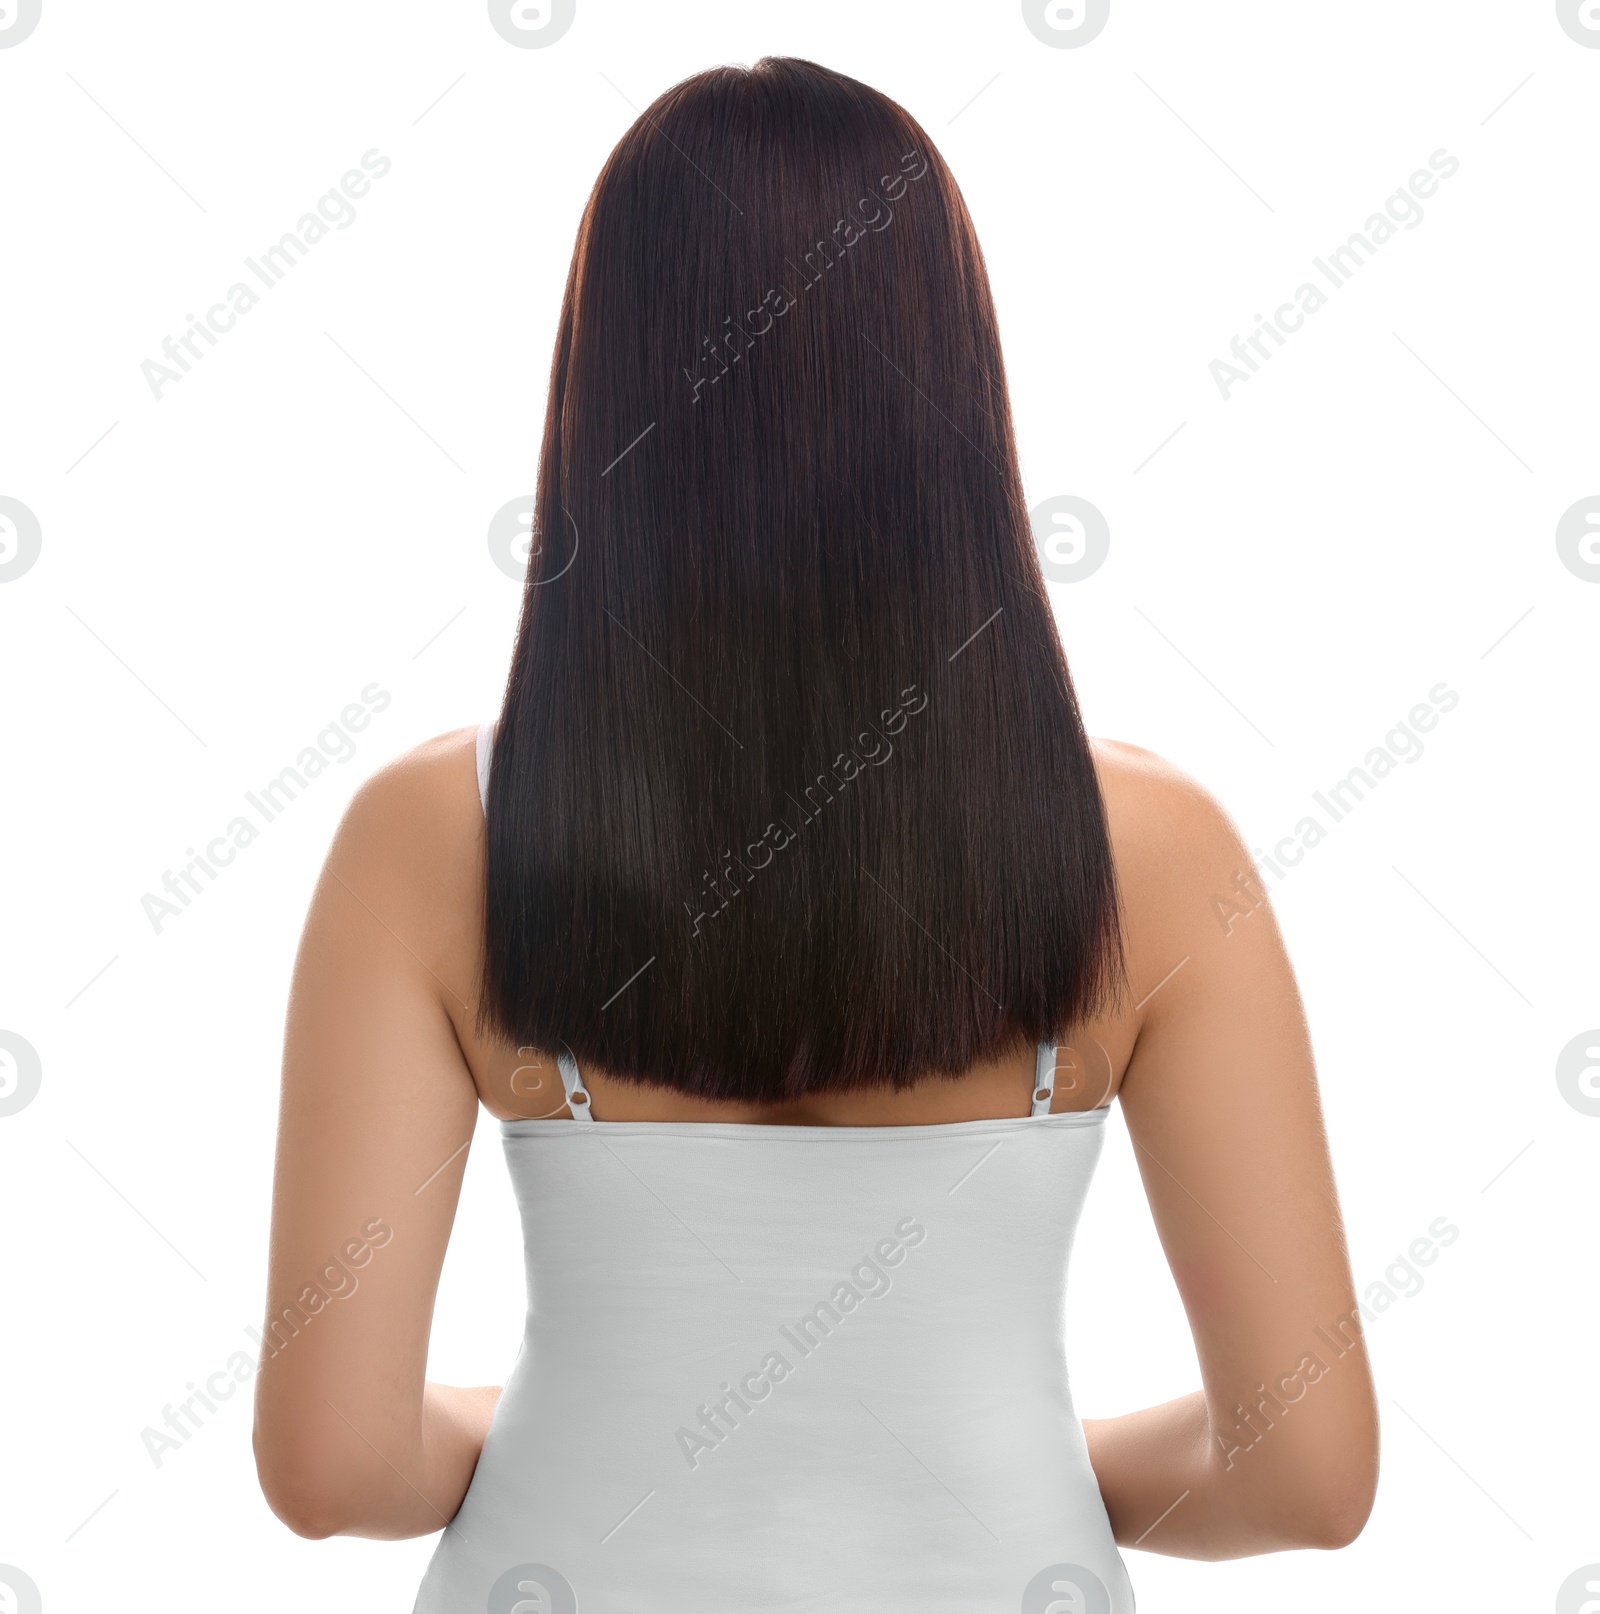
[1280, 1448]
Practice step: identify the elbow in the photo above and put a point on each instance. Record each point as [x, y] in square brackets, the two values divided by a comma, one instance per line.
[1321, 1501]
[322, 1476]
[1340, 1520]
[302, 1494]
[1321, 1482]
[1333, 1514]
[305, 1516]
[1350, 1486]
[303, 1505]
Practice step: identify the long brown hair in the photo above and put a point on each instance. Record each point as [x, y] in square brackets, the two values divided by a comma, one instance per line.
[790, 792]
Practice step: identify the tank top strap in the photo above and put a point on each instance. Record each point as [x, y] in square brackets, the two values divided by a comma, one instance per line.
[485, 754]
[572, 1085]
[1044, 1078]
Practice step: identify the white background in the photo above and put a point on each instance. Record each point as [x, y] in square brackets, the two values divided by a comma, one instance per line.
[305, 513]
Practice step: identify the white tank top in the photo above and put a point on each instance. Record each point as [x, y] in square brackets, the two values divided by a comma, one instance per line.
[808, 1369]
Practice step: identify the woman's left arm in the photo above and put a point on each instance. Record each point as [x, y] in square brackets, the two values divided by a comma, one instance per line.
[377, 1113]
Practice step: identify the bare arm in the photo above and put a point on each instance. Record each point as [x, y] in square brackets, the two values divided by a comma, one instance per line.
[377, 1110]
[1279, 1449]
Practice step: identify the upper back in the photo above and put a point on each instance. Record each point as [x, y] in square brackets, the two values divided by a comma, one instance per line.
[420, 858]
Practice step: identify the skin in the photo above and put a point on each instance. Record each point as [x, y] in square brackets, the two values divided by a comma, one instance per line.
[1209, 1056]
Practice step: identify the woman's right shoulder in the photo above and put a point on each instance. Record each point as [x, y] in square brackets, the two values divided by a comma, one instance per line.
[432, 782]
[403, 878]
[413, 830]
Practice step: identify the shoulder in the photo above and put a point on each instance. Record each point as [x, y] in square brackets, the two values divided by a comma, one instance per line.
[1152, 803]
[430, 786]
[410, 845]
[1180, 859]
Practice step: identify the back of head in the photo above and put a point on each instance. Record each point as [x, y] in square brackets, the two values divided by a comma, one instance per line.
[790, 792]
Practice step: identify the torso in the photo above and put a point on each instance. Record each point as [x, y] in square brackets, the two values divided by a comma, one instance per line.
[523, 1084]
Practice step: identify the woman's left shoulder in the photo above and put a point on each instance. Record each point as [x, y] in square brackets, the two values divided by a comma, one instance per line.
[1146, 794]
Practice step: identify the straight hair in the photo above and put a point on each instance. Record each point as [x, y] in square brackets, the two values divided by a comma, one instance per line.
[790, 793]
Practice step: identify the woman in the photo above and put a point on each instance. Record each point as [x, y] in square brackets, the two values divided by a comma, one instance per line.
[806, 945]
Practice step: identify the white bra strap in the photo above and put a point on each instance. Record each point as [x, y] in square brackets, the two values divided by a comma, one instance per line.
[1044, 1078]
[572, 1082]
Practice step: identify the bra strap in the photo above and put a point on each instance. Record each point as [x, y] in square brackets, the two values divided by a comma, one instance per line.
[572, 1083]
[1044, 1078]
